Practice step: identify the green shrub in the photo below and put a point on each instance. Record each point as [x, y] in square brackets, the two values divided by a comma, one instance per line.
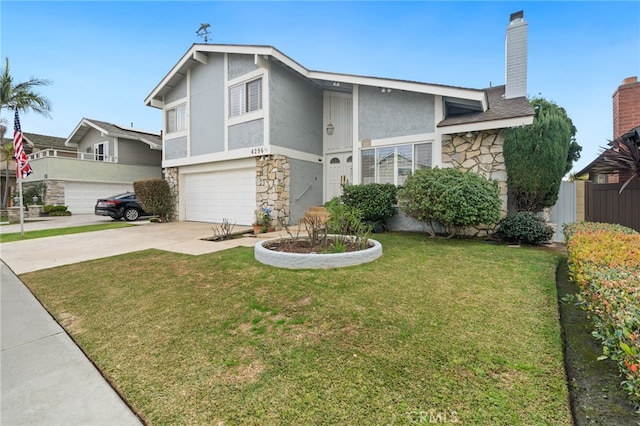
[374, 200]
[345, 220]
[571, 228]
[450, 197]
[524, 227]
[51, 210]
[604, 262]
[154, 197]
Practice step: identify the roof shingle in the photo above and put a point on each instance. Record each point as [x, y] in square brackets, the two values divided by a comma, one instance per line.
[499, 109]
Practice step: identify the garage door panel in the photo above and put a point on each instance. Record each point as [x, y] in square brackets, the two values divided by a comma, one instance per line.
[80, 197]
[212, 197]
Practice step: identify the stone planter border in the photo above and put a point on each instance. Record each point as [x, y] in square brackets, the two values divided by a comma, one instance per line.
[314, 261]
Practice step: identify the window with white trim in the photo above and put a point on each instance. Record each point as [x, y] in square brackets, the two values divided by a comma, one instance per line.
[101, 151]
[177, 119]
[245, 97]
[393, 164]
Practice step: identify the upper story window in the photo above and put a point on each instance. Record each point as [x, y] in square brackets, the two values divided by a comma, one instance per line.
[245, 97]
[101, 151]
[177, 119]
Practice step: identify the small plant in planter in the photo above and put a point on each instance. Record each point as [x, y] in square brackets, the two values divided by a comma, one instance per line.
[262, 223]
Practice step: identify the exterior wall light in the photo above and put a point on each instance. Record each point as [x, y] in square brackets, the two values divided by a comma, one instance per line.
[330, 129]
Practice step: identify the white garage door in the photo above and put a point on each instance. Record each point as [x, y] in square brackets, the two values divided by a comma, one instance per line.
[80, 197]
[227, 194]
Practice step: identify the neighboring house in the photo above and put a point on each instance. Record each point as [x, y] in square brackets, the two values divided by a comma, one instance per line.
[97, 160]
[247, 126]
[32, 142]
[626, 121]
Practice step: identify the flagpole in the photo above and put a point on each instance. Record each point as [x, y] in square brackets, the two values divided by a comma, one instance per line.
[19, 179]
[22, 164]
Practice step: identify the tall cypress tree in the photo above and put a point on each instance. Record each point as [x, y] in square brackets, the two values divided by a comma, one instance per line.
[537, 156]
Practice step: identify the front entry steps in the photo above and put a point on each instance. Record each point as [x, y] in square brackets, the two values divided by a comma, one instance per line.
[316, 212]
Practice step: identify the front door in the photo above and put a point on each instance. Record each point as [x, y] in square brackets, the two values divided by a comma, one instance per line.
[338, 143]
[339, 173]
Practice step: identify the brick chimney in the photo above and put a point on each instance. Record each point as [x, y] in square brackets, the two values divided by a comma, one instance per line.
[516, 56]
[626, 107]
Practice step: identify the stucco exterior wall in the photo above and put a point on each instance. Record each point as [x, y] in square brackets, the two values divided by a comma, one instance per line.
[393, 114]
[295, 112]
[306, 188]
[245, 135]
[177, 93]
[175, 148]
[240, 65]
[206, 111]
[90, 171]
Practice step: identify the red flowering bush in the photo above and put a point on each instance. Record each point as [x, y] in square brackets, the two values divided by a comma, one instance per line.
[604, 261]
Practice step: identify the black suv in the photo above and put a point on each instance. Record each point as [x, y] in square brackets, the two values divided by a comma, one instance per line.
[120, 206]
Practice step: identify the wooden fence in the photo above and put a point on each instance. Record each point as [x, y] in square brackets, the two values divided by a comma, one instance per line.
[604, 203]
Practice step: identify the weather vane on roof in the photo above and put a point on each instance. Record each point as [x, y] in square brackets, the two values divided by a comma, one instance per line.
[204, 32]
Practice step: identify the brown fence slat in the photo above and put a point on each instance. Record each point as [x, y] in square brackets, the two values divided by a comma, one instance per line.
[604, 203]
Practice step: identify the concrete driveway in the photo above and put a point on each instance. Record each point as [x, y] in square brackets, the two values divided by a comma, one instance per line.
[42, 253]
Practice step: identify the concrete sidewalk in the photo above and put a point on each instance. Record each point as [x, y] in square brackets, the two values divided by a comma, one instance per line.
[45, 378]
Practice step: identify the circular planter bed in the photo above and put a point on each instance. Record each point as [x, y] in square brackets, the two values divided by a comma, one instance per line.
[269, 252]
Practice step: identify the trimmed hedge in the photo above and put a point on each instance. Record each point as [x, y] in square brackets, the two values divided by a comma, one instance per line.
[604, 261]
[374, 200]
[154, 196]
[571, 228]
[51, 210]
[524, 227]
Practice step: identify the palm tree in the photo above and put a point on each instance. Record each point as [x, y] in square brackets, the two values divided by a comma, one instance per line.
[623, 157]
[19, 96]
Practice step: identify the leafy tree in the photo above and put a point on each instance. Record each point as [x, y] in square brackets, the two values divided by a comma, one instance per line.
[538, 104]
[23, 97]
[538, 156]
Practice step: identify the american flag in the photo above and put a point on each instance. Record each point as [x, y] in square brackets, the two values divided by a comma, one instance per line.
[23, 169]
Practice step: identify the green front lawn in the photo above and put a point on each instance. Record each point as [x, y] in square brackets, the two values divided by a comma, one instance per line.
[459, 331]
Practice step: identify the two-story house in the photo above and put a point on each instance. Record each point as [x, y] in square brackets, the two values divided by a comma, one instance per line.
[98, 159]
[248, 126]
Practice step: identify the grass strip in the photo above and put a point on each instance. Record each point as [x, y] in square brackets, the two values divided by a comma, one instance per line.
[29, 235]
[456, 331]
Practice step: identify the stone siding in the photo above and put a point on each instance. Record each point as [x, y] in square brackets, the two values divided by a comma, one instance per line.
[54, 193]
[172, 177]
[481, 153]
[273, 174]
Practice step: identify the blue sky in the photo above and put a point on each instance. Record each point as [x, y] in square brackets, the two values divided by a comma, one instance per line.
[104, 58]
